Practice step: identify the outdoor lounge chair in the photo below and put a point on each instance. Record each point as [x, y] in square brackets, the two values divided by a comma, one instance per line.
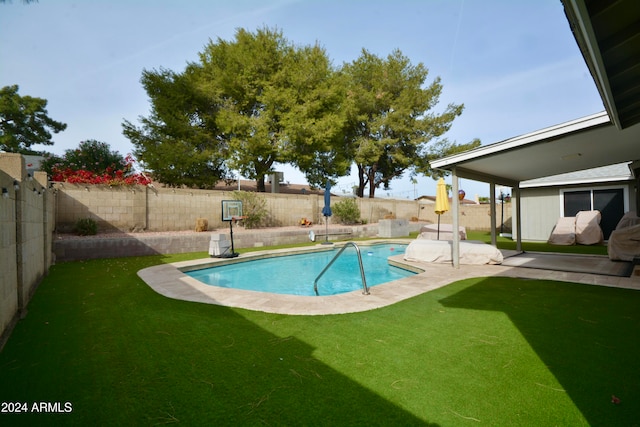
[583, 229]
[624, 241]
[564, 232]
[588, 231]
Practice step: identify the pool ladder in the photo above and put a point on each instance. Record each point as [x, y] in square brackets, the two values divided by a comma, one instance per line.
[365, 289]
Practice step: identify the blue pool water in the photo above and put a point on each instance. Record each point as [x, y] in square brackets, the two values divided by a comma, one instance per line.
[295, 274]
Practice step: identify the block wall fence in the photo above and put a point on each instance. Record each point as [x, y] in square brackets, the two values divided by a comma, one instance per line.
[139, 208]
[27, 222]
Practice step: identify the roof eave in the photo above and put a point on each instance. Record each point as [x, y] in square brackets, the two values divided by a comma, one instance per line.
[577, 125]
[580, 22]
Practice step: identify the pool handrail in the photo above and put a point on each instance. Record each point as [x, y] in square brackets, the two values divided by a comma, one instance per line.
[365, 289]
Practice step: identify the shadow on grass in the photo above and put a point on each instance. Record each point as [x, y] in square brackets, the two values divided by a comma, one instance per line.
[587, 336]
[97, 337]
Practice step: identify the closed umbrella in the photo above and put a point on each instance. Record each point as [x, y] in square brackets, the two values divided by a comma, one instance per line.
[442, 201]
[326, 210]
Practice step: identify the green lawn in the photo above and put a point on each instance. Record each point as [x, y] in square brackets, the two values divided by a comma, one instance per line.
[486, 351]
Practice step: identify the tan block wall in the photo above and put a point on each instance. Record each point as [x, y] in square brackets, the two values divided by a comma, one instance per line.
[8, 246]
[113, 208]
[26, 231]
[141, 208]
[32, 229]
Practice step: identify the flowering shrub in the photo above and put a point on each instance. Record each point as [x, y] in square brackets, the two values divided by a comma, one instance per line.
[111, 176]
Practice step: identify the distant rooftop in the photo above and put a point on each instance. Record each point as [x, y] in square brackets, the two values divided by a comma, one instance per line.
[611, 173]
[250, 185]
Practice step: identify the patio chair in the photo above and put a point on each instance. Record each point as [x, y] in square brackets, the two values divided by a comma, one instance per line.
[564, 232]
[588, 231]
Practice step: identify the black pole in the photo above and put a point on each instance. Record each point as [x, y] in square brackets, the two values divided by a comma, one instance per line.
[326, 229]
[233, 252]
[502, 213]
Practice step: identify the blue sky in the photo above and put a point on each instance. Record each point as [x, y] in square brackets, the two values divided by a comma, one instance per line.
[513, 63]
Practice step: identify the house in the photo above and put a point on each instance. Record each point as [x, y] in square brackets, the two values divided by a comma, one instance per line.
[608, 189]
[282, 188]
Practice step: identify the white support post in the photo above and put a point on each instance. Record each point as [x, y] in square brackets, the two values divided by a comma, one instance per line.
[455, 242]
[492, 203]
[516, 190]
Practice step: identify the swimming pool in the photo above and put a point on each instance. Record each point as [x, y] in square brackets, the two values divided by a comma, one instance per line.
[295, 274]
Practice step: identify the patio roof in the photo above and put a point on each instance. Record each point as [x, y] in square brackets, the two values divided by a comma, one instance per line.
[580, 144]
[608, 35]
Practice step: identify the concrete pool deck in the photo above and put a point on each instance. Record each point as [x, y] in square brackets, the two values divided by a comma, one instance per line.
[171, 281]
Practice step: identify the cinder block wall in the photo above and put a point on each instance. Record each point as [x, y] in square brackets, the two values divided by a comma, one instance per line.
[8, 247]
[26, 231]
[163, 209]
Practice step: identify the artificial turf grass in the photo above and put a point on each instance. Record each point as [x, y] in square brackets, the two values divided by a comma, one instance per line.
[501, 351]
[507, 243]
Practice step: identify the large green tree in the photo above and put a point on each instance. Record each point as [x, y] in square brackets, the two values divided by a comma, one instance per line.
[439, 149]
[246, 105]
[391, 118]
[179, 141]
[278, 103]
[24, 121]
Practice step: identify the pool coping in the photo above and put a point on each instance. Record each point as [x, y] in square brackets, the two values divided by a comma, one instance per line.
[171, 281]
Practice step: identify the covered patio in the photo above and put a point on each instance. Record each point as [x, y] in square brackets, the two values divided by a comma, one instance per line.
[609, 38]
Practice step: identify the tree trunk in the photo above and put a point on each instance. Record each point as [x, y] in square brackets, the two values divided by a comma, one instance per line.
[361, 182]
[372, 189]
[260, 188]
[371, 177]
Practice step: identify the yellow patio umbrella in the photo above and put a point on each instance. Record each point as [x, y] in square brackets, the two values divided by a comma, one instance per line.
[442, 201]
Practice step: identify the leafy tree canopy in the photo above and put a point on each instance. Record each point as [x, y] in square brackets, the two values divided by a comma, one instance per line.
[391, 123]
[179, 141]
[24, 121]
[443, 148]
[246, 105]
[259, 100]
[91, 155]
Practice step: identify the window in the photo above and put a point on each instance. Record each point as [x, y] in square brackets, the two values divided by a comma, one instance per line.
[609, 201]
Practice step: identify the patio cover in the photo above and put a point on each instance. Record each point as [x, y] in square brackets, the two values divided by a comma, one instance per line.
[608, 36]
[580, 144]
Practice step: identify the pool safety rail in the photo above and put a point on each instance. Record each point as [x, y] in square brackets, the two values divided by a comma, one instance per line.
[365, 289]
